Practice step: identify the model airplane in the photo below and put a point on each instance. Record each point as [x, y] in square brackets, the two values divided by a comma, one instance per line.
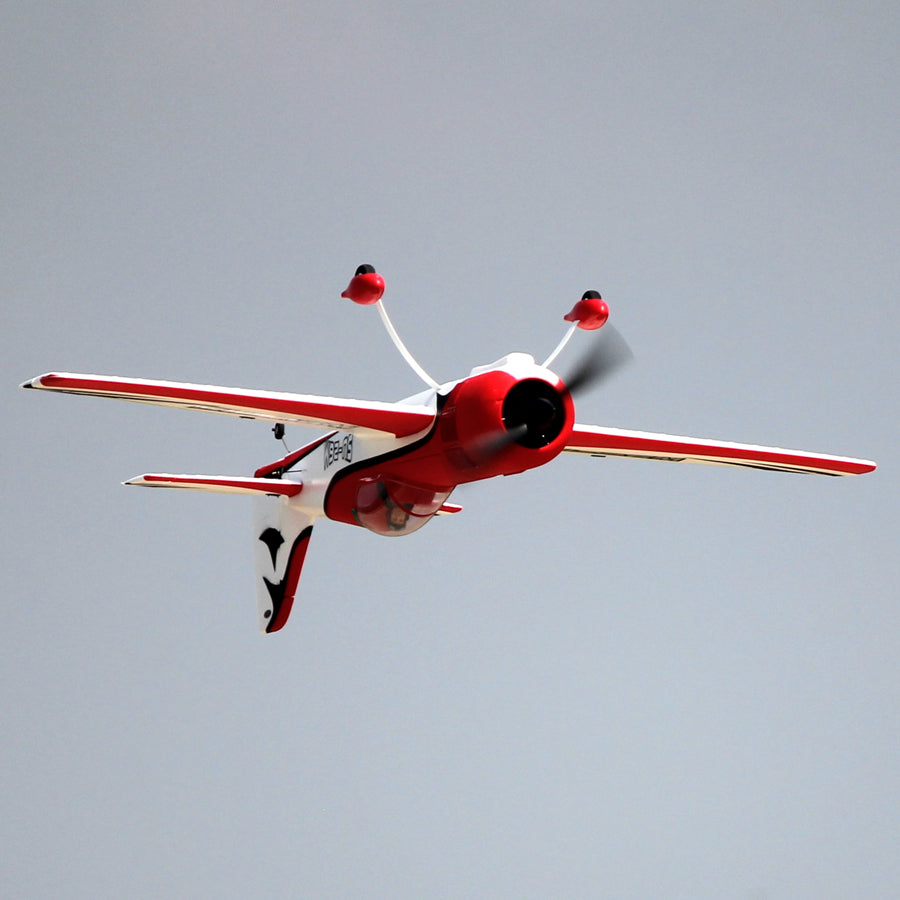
[391, 467]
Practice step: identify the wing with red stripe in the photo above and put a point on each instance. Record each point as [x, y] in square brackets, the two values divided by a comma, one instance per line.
[399, 419]
[597, 441]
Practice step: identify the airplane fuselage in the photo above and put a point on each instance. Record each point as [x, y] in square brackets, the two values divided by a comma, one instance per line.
[501, 420]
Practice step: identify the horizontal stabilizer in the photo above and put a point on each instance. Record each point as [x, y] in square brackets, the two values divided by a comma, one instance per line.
[221, 484]
[399, 419]
[597, 441]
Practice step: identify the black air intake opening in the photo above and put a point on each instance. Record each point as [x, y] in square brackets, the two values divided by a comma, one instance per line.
[534, 413]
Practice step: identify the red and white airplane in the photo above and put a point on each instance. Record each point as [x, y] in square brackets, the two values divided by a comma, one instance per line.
[391, 467]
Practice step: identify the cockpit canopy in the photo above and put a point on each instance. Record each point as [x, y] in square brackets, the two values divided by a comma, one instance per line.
[393, 508]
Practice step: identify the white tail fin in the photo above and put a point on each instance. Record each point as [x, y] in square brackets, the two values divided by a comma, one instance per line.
[282, 533]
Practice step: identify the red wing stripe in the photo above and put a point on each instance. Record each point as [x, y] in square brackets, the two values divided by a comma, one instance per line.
[642, 444]
[394, 418]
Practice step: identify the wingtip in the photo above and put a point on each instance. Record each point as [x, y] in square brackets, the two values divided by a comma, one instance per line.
[37, 381]
[859, 467]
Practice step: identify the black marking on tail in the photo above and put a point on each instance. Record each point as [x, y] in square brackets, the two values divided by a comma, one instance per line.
[273, 539]
[282, 593]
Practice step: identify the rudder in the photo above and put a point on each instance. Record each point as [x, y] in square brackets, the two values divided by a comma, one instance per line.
[282, 534]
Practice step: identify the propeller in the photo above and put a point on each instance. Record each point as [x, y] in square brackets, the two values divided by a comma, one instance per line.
[530, 416]
[495, 442]
[607, 355]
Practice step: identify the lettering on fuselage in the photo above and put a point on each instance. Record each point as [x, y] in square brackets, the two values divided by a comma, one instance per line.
[339, 449]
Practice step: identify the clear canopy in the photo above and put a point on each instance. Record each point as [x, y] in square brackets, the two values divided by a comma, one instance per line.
[394, 508]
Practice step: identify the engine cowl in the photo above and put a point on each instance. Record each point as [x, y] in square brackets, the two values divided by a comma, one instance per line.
[507, 418]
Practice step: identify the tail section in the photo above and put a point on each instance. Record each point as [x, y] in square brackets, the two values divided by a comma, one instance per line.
[282, 535]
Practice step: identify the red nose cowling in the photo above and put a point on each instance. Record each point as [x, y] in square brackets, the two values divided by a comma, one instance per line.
[494, 424]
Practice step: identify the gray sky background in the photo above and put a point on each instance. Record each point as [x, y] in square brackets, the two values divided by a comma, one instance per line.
[603, 678]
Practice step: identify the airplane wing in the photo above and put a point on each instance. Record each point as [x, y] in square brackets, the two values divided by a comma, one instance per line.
[399, 419]
[597, 441]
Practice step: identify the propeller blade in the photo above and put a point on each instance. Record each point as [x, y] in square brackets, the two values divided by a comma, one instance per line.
[492, 444]
[605, 357]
